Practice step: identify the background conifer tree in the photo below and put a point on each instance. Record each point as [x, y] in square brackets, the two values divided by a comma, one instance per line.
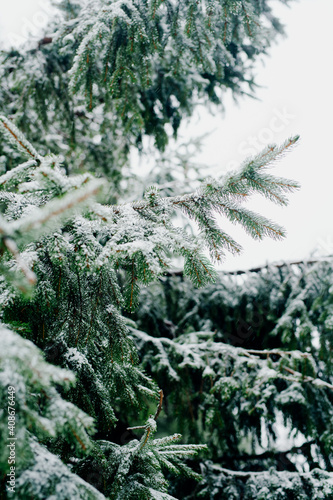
[76, 245]
[245, 360]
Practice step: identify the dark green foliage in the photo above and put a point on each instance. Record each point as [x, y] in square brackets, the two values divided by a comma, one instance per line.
[237, 359]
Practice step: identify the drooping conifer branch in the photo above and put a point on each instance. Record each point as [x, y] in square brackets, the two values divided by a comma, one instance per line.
[259, 269]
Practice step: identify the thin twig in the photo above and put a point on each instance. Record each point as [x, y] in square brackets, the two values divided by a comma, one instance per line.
[159, 408]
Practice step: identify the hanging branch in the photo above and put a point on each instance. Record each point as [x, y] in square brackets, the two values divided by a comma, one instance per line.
[276, 352]
[247, 475]
[259, 269]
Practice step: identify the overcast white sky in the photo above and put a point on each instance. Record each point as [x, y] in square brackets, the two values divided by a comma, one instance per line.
[296, 98]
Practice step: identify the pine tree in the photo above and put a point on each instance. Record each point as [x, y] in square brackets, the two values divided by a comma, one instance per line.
[75, 249]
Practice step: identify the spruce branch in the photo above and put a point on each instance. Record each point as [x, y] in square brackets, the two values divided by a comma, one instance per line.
[234, 185]
[16, 137]
[155, 454]
[28, 216]
[14, 174]
[223, 196]
[57, 208]
[154, 214]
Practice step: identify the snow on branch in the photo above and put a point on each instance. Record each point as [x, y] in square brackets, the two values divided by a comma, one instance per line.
[16, 137]
[150, 220]
[37, 197]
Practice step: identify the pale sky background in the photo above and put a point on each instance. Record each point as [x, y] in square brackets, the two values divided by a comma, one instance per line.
[297, 83]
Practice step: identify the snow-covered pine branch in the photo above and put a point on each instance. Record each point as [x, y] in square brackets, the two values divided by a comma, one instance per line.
[139, 467]
[41, 415]
[36, 199]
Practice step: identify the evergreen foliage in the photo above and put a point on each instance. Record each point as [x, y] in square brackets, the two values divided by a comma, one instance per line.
[75, 312]
[242, 358]
[50, 419]
[135, 68]
[75, 250]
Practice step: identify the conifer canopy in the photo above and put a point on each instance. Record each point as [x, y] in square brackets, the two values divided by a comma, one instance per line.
[105, 357]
